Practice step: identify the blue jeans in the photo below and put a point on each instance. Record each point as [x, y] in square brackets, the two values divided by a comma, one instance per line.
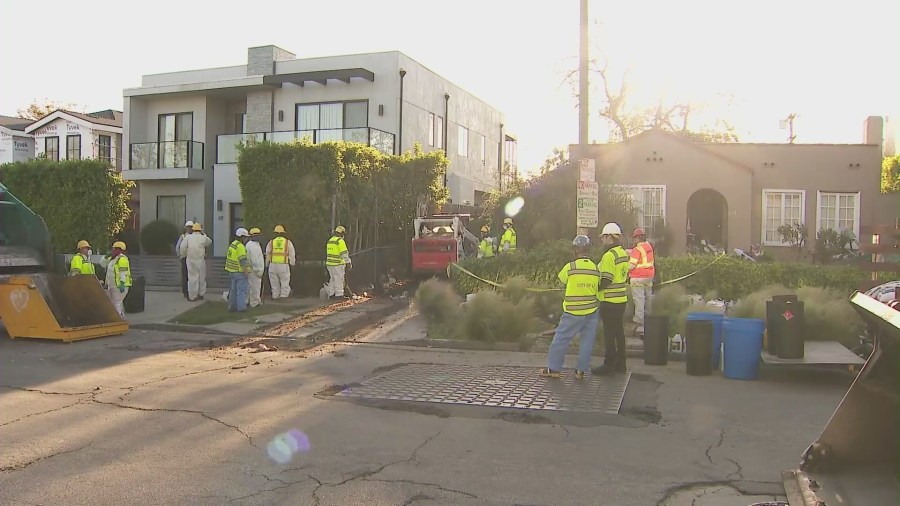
[237, 294]
[570, 326]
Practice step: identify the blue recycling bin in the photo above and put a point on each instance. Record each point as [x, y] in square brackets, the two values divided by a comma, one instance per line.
[743, 339]
[717, 319]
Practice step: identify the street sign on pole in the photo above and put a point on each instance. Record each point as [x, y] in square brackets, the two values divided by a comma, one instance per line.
[587, 170]
[588, 204]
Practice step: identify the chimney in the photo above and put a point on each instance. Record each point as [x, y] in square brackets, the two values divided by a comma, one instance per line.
[261, 60]
[873, 130]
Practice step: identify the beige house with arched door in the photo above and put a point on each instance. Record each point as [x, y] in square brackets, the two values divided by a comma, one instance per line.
[737, 195]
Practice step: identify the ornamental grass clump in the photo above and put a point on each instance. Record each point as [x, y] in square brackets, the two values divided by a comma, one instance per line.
[490, 317]
[441, 306]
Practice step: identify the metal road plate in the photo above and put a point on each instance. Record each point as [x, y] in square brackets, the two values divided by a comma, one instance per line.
[495, 386]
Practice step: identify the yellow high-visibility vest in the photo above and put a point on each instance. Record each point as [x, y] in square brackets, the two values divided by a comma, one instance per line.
[122, 265]
[236, 252]
[334, 250]
[82, 265]
[487, 248]
[279, 250]
[614, 267]
[582, 281]
[508, 237]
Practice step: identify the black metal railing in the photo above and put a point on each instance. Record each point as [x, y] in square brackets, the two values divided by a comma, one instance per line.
[167, 155]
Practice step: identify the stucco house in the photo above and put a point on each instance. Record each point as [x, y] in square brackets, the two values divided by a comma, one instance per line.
[737, 195]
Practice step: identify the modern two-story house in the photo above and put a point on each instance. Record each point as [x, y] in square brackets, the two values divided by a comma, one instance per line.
[183, 128]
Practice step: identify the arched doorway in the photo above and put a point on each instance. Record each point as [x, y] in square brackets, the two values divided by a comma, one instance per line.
[707, 212]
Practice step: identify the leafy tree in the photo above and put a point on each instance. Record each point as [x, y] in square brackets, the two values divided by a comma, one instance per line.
[36, 110]
[559, 158]
[890, 174]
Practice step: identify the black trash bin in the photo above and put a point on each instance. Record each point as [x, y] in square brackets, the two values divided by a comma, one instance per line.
[773, 330]
[656, 340]
[698, 345]
[134, 300]
[790, 318]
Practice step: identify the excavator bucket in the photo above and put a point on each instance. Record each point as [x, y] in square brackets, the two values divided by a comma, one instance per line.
[854, 461]
[63, 308]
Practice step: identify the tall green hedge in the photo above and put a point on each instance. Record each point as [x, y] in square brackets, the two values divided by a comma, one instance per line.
[730, 277]
[293, 185]
[79, 199]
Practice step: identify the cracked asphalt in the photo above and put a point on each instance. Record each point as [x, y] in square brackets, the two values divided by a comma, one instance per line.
[140, 419]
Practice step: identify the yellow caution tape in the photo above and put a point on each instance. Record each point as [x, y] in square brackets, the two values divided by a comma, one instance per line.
[498, 285]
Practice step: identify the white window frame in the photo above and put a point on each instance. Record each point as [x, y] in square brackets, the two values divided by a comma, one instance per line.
[431, 129]
[633, 189]
[462, 141]
[483, 149]
[819, 224]
[765, 193]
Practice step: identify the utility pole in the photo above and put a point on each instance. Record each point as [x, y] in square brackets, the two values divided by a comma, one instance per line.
[583, 103]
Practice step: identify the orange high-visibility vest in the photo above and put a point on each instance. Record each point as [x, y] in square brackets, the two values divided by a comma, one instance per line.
[642, 260]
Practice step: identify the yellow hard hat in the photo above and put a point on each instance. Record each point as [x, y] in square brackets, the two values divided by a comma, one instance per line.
[120, 245]
[256, 231]
[83, 244]
[340, 229]
[278, 229]
[485, 229]
[507, 221]
[196, 227]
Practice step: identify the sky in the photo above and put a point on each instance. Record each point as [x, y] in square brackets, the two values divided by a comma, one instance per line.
[751, 63]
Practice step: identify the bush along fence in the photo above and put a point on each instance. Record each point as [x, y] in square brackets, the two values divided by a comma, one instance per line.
[731, 278]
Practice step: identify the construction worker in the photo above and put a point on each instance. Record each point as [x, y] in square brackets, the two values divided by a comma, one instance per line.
[188, 230]
[81, 262]
[193, 250]
[337, 260]
[508, 239]
[613, 296]
[281, 256]
[118, 277]
[257, 267]
[486, 246]
[238, 268]
[641, 274]
[579, 317]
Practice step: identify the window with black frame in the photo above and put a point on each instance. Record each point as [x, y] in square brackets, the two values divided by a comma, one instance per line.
[51, 148]
[73, 147]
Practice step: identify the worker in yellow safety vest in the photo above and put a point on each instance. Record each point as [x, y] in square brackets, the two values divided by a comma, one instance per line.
[118, 277]
[508, 239]
[579, 317]
[337, 260]
[642, 272]
[281, 256]
[237, 265]
[486, 246]
[613, 296]
[81, 262]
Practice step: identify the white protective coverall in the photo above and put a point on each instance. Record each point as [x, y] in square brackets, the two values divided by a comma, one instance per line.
[113, 278]
[257, 267]
[193, 247]
[280, 274]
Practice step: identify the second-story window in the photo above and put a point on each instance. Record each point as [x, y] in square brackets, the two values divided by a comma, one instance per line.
[51, 148]
[176, 131]
[431, 128]
[462, 141]
[334, 121]
[104, 147]
[73, 147]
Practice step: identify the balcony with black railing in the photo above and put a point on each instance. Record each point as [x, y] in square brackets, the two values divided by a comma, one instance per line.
[227, 145]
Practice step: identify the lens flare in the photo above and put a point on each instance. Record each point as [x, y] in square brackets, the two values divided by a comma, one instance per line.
[284, 446]
[513, 207]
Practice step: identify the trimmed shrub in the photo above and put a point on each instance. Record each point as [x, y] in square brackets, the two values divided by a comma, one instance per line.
[159, 237]
[78, 199]
[491, 317]
[441, 306]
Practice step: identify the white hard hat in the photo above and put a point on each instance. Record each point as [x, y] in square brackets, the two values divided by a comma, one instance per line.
[242, 232]
[188, 223]
[611, 229]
